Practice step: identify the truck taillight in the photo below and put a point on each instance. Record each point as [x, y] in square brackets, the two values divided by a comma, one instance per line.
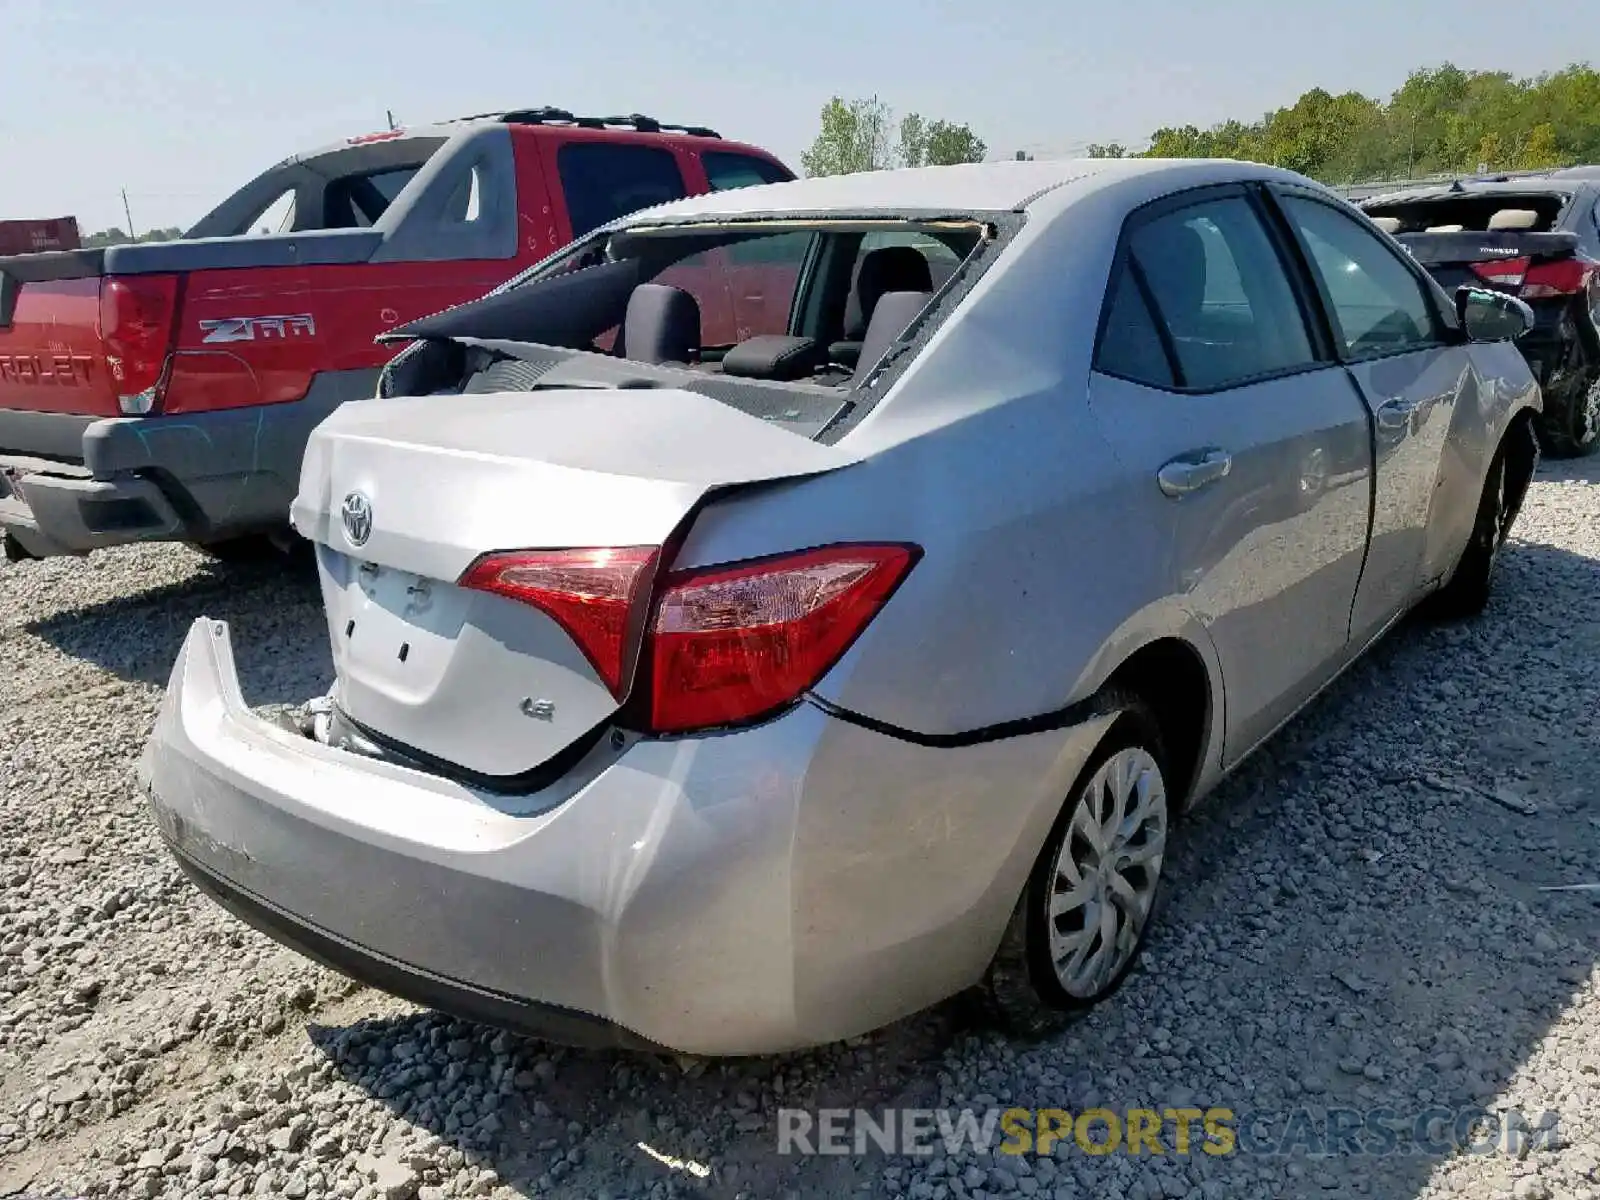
[731, 644]
[1566, 277]
[590, 593]
[138, 324]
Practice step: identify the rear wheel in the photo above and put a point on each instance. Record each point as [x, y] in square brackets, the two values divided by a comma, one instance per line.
[1077, 931]
[1571, 429]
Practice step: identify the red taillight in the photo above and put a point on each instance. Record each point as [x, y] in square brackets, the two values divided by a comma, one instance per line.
[589, 593]
[730, 644]
[1564, 278]
[137, 321]
[1506, 271]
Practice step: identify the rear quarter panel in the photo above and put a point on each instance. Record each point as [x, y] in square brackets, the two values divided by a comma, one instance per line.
[984, 452]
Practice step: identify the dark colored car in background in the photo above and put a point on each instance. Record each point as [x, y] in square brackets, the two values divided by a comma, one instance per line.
[1536, 237]
[164, 391]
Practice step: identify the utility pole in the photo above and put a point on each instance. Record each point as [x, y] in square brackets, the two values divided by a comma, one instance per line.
[127, 212]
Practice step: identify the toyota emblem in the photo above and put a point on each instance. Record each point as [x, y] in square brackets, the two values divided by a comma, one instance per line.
[357, 514]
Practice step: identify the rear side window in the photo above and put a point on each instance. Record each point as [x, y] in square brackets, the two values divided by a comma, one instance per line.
[725, 171]
[1379, 306]
[357, 201]
[1208, 277]
[603, 181]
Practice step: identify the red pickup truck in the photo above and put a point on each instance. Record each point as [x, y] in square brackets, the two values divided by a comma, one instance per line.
[164, 391]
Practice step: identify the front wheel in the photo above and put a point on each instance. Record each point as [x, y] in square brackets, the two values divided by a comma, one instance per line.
[1467, 593]
[1087, 907]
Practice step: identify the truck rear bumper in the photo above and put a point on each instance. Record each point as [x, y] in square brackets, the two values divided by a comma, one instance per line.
[194, 477]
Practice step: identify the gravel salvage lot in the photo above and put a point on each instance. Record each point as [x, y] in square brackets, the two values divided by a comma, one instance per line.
[1355, 922]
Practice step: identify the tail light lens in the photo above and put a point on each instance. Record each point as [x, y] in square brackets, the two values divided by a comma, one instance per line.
[1506, 271]
[731, 644]
[138, 316]
[1567, 277]
[590, 593]
[724, 645]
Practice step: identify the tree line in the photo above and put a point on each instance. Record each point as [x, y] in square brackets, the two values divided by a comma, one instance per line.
[1441, 120]
[115, 237]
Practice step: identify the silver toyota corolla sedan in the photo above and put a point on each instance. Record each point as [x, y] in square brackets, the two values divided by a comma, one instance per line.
[792, 606]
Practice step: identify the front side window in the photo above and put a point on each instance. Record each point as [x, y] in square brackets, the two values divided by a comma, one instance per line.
[1379, 306]
[605, 180]
[1210, 281]
[726, 171]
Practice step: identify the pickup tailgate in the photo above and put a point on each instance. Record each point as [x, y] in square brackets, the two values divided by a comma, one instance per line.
[470, 678]
[51, 355]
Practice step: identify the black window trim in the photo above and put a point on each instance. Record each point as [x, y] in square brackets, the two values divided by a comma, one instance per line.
[1443, 327]
[1312, 317]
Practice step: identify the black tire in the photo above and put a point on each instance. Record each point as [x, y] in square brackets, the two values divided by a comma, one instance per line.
[1467, 593]
[1021, 989]
[1570, 427]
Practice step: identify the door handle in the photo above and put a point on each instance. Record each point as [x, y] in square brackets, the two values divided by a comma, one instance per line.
[1190, 473]
[1395, 414]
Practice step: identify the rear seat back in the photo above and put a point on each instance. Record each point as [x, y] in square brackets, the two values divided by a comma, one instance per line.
[890, 317]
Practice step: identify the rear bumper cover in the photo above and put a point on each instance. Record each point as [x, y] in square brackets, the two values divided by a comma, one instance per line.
[185, 477]
[758, 891]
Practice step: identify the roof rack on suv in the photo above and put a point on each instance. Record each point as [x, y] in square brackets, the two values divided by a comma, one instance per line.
[560, 116]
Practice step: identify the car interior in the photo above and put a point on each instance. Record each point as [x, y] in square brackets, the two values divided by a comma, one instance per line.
[822, 324]
[1522, 213]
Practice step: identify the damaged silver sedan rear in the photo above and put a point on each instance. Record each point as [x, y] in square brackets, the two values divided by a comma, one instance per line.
[737, 698]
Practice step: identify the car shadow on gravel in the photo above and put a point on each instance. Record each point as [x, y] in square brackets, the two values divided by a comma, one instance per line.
[273, 609]
[1355, 925]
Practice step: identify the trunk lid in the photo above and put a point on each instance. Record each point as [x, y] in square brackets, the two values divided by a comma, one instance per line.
[1450, 257]
[481, 682]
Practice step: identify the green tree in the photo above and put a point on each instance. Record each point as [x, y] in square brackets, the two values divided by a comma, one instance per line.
[1441, 119]
[949, 144]
[913, 140]
[1107, 150]
[854, 137]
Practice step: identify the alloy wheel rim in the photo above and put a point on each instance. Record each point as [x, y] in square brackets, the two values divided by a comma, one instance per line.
[1106, 872]
[1589, 415]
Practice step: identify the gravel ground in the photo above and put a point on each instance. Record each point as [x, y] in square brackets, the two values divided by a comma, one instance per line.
[1355, 921]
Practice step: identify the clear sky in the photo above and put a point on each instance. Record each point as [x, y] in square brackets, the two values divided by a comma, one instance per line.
[180, 101]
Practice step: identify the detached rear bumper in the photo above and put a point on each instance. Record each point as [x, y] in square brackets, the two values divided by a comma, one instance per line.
[758, 891]
[70, 485]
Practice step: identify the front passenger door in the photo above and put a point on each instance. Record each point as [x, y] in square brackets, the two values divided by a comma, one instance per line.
[1387, 331]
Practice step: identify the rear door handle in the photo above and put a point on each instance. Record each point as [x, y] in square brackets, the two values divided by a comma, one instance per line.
[1396, 414]
[1191, 472]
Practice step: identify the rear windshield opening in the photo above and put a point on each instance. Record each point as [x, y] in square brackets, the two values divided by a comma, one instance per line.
[1535, 212]
[786, 318]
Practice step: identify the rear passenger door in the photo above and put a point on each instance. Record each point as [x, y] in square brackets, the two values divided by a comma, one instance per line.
[1247, 448]
[1387, 329]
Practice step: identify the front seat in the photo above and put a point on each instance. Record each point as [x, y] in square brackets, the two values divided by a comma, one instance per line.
[661, 325]
[886, 269]
[1173, 259]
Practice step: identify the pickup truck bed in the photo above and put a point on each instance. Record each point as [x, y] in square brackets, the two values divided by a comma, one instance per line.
[165, 391]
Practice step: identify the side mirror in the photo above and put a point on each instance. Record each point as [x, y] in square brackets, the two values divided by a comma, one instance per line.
[1490, 316]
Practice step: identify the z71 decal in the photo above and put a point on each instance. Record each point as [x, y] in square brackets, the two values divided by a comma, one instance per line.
[248, 329]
